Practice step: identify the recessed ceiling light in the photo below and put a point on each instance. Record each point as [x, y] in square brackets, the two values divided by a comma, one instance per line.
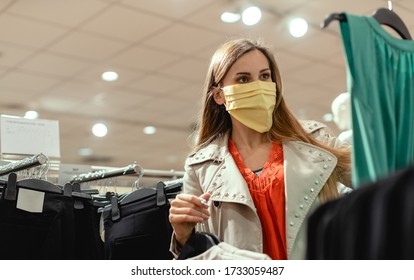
[298, 27]
[251, 15]
[99, 130]
[31, 115]
[230, 17]
[149, 130]
[109, 76]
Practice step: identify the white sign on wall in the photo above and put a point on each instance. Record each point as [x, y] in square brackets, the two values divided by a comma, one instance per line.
[23, 136]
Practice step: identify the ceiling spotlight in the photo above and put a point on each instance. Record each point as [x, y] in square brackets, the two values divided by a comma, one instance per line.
[298, 27]
[230, 17]
[149, 130]
[99, 130]
[109, 76]
[31, 115]
[251, 15]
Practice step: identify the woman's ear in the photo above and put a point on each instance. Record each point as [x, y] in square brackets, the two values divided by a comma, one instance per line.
[218, 96]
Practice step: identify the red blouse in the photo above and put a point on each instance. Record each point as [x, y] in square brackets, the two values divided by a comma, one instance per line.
[268, 193]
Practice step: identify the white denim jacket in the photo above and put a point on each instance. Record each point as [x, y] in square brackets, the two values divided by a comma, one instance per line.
[233, 215]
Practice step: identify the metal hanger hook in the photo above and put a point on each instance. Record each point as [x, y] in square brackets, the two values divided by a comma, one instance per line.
[389, 5]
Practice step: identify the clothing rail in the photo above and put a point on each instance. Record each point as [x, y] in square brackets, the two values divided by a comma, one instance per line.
[162, 173]
[107, 172]
[25, 163]
[102, 174]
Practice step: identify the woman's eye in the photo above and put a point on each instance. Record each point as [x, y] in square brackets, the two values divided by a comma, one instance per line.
[265, 76]
[243, 80]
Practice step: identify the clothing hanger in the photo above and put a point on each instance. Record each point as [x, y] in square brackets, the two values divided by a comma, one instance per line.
[162, 191]
[331, 17]
[384, 17]
[145, 196]
[389, 18]
[32, 184]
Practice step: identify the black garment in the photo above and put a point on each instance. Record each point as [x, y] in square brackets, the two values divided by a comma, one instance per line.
[88, 242]
[374, 222]
[137, 225]
[67, 227]
[46, 236]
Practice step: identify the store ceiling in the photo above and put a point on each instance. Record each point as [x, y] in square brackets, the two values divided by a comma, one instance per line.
[54, 51]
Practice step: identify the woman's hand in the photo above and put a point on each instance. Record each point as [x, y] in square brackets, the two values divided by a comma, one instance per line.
[185, 212]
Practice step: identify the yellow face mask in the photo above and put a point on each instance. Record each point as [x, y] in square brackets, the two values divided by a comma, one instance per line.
[252, 104]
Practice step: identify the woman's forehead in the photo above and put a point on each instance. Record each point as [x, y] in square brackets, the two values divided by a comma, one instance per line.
[250, 60]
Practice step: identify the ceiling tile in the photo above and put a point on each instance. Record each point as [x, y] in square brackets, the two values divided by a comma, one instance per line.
[170, 8]
[32, 82]
[56, 65]
[87, 46]
[182, 39]
[14, 98]
[157, 83]
[144, 58]
[67, 13]
[316, 73]
[126, 24]
[187, 70]
[11, 55]
[27, 32]
[290, 61]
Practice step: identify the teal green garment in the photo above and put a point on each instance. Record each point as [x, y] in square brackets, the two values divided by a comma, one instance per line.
[380, 77]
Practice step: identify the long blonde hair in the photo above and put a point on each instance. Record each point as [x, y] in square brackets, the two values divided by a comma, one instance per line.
[214, 120]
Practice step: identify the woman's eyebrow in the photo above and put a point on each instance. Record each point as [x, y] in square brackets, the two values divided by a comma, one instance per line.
[243, 73]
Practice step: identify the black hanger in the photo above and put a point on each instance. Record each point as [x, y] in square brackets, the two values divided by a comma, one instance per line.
[39, 185]
[32, 184]
[382, 15]
[331, 17]
[390, 18]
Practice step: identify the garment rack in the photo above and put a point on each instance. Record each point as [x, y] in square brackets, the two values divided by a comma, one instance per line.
[22, 164]
[130, 169]
[103, 174]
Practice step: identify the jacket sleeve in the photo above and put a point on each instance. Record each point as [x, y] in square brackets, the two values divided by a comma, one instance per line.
[191, 185]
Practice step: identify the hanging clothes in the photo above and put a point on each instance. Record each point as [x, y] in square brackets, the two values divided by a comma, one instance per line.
[136, 224]
[380, 77]
[65, 225]
[374, 222]
[48, 235]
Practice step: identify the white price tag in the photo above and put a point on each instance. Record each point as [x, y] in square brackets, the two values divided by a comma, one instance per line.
[31, 201]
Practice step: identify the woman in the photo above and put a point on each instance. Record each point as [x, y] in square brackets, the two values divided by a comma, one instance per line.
[262, 171]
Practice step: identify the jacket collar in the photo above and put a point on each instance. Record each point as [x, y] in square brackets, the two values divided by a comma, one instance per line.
[217, 150]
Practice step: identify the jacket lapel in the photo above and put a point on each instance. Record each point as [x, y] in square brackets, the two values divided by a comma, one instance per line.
[307, 169]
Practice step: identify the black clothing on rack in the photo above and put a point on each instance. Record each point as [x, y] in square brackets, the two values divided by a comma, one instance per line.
[374, 222]
[66, 228]
[46, 235]
[137, 226]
